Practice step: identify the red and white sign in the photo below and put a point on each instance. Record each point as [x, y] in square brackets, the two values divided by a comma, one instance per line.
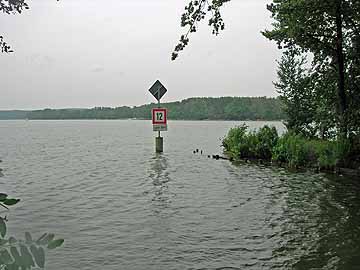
[159, 116]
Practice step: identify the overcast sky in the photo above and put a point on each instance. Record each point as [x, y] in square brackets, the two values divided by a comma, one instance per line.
[86, 53]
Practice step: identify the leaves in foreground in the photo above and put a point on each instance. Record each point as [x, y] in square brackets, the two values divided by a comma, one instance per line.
[19, 254]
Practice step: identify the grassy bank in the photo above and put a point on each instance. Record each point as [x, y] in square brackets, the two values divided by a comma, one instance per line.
[291, 150]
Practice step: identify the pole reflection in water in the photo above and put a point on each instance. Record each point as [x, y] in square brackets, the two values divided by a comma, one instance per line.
[160, 234]
[160, 176]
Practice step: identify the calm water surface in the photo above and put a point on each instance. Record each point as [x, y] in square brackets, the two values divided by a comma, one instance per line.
[99, 185]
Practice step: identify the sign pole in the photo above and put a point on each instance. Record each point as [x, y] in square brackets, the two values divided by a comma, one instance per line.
[159, 115]
[159, 142]
[159, 106]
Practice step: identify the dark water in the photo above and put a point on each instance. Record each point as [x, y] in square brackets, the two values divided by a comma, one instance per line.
[99, 185]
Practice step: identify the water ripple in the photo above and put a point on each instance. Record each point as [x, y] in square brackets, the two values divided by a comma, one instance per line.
[99, 185]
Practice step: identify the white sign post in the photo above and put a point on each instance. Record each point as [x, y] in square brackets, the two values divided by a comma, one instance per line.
[159, 115]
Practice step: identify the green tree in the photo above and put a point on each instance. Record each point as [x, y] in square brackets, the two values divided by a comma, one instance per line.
[326, 29]
[296, 91]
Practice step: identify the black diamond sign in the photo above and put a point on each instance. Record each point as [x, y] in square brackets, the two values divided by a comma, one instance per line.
[158, 90]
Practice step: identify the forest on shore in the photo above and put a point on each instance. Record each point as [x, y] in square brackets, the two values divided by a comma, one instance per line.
[223, 108]
[319, 85]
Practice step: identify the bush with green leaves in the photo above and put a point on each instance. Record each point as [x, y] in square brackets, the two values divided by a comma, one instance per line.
[19, 254]
[297, 151]
[267, 137]
[293, 150]
[255, 144]
[234, 142]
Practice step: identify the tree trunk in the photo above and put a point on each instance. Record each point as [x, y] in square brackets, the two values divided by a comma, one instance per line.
[341, 70]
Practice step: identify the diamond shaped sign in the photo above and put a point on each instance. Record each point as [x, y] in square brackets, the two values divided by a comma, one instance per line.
[158, 90]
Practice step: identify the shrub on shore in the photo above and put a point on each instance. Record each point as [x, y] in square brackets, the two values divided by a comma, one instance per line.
[253, 145]
[290, 149]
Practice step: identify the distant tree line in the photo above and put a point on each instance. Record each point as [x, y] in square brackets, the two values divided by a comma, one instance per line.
[13, 115]
[223, 108]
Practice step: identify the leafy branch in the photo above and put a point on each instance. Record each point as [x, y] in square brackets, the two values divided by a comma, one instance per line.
[195, 12]
[24, 254]
[10, 7]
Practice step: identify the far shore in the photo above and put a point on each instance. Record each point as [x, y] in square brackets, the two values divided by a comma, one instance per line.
[140, 119]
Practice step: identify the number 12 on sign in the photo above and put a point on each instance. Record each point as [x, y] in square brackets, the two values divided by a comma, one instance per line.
[159, 119]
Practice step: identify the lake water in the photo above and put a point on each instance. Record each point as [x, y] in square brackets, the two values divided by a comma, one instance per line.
[99, 185]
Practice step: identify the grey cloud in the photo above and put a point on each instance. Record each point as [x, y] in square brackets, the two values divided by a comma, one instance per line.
[97, 69]
[60, 46]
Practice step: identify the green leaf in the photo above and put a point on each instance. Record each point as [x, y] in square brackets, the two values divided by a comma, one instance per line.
[10, 202]
[55, 243]
[5, 257]
[3, 197]
[27, 257]
[17, 257]
[28, 238]
[12, 267]
[39, 255]
[2, 227]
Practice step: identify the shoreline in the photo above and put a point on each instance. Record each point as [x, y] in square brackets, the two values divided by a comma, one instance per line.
[340, 171]
[138, 119]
